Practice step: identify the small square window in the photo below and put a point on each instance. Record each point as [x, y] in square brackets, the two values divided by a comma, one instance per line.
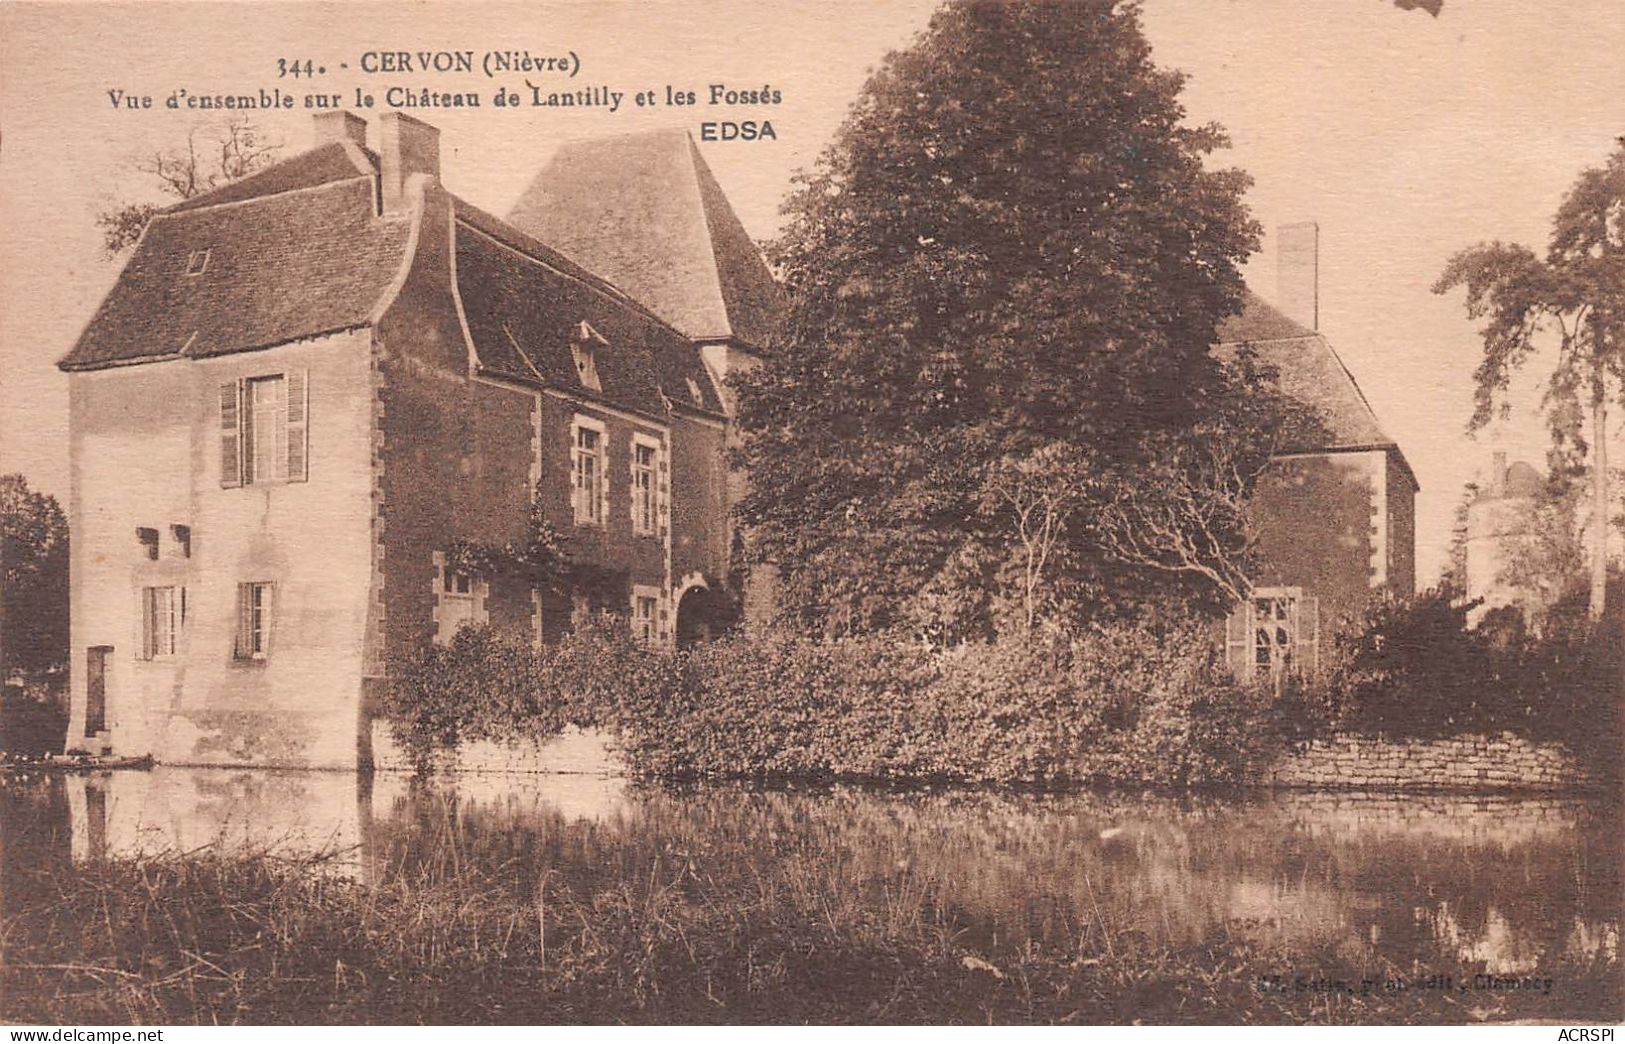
[197, 262]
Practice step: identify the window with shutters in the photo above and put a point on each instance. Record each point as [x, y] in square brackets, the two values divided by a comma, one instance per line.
[645, 485]
[163, 612]
[587, 451]
[255, 606]
[264, 429]
[1275, 634]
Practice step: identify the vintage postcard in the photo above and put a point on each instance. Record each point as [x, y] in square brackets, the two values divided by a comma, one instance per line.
[923, 512]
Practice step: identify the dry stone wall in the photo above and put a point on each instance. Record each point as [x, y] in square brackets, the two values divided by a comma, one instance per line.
[1504, 762]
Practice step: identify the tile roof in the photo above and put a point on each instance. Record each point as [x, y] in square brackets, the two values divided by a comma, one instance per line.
[298, 250]
[1260, 321]
[645, 212]
[1310, 371]
[497, 228]
[523, 303]
[322, 165]
[283, 267]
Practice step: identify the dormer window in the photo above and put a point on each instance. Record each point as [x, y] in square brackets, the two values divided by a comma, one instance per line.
[197, 262]
[584, 348]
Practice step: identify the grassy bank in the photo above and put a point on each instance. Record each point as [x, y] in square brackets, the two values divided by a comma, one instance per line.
[589, 925]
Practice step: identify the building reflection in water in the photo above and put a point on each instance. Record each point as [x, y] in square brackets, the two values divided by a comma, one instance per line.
[1506, 883]
[329, 814]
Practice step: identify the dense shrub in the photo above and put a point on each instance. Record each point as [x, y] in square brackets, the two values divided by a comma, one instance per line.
[490, 685]
[1125, 703]
[34, 715]
[1416, 670]
[1173, 714]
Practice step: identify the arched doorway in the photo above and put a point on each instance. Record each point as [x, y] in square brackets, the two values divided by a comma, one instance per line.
[702, 615]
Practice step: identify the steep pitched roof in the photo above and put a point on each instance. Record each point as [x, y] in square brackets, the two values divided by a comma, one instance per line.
[335, 161]
[298, 250]
[645, 212]
[523, 303]
[1260, 321]
[279, 268]
[1310, 371]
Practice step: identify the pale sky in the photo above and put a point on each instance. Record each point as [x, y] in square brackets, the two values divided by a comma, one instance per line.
[1406, 137]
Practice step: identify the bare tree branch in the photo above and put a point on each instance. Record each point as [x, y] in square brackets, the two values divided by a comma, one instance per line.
[239, 150]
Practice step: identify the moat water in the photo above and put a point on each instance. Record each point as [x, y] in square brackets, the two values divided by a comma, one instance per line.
[1503, 884]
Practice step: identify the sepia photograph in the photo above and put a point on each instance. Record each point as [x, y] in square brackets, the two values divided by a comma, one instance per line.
[917, 513]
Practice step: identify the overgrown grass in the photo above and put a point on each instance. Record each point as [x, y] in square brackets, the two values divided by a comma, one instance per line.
[433, 922]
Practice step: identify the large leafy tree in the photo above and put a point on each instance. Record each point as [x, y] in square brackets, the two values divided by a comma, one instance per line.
[33, 579]
[1573, 302]
[1009, 263]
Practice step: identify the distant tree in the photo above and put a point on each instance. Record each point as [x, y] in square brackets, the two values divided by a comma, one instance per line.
[33, 579]
[1011, 254]
[213, 155]
[1577, 293]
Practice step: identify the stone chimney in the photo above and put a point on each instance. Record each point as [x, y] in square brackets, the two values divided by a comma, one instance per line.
[406, 146]
[339, 126]
[1297, 275]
